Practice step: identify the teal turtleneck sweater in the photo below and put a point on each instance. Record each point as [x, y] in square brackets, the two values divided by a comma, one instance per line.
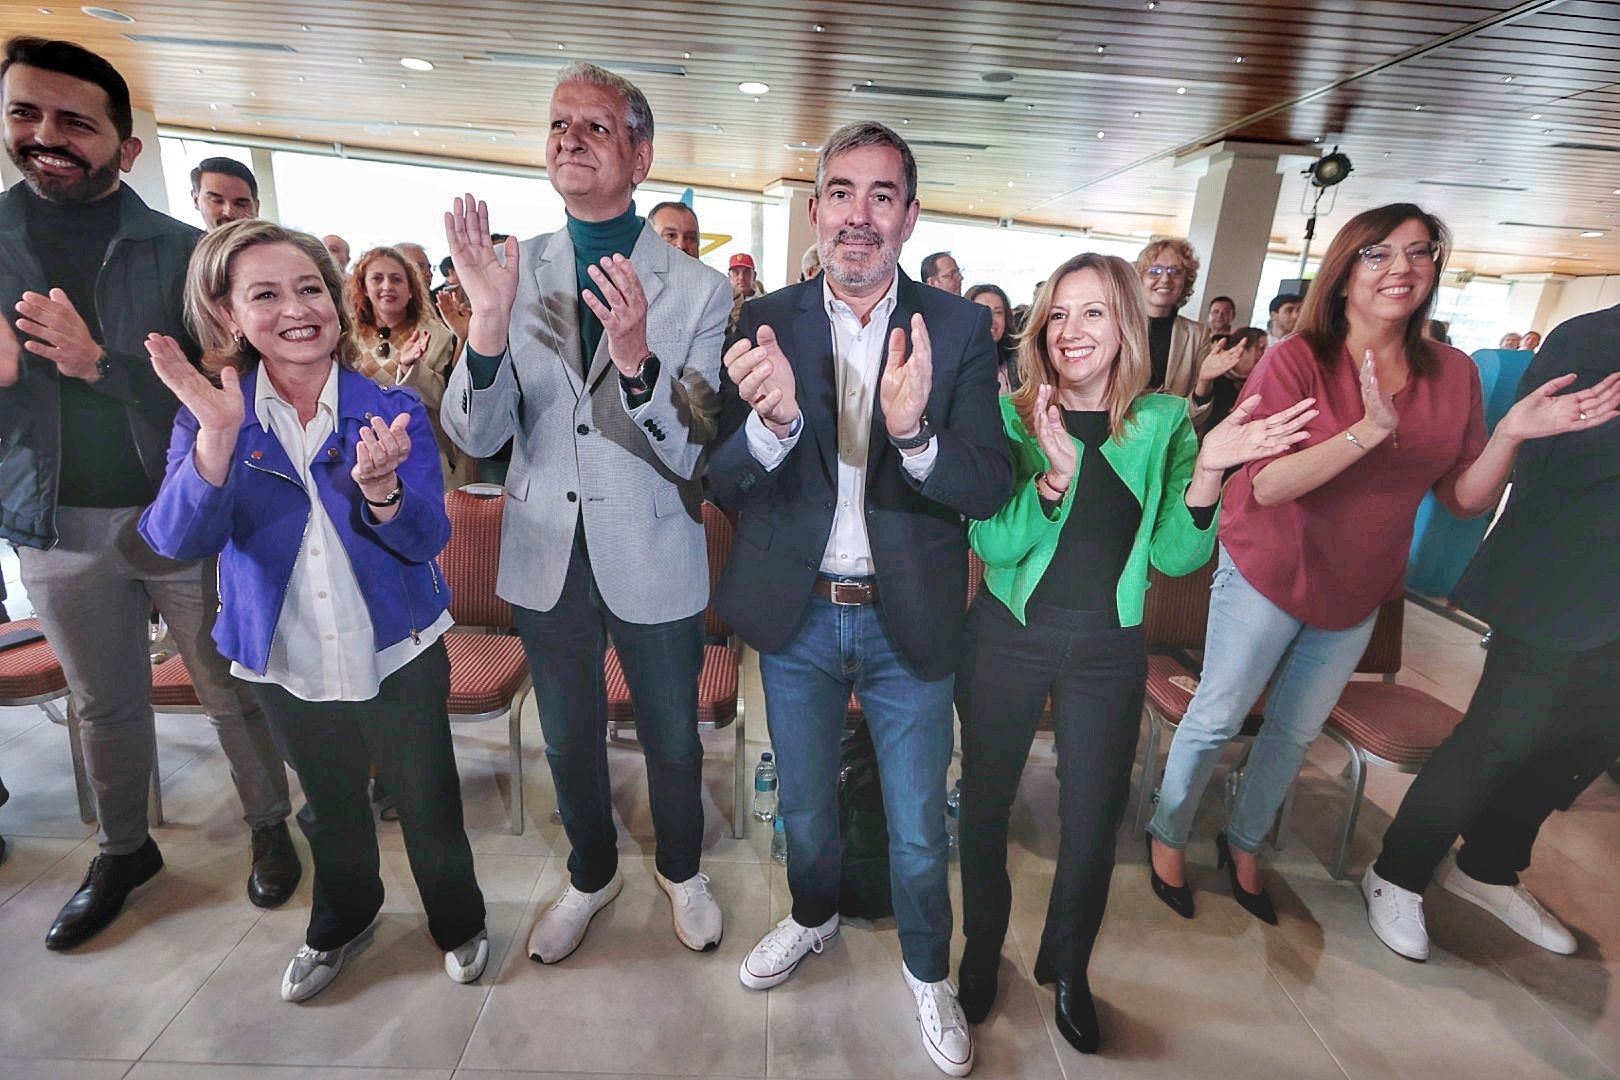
[593, 242]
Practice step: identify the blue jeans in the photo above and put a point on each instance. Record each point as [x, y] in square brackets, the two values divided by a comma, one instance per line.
[807, 687]
[1252, 642]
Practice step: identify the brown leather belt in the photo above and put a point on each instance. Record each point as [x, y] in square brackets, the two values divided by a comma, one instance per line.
[847, 593]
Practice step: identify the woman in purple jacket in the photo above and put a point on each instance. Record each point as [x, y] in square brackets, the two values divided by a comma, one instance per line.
[321, 493]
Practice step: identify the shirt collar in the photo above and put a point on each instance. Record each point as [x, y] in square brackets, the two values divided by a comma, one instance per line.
[264, 392]
[837, 308]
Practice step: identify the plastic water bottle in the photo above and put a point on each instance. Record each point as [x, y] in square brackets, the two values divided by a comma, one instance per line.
[765, 787]
[953, 816]
[779, 841]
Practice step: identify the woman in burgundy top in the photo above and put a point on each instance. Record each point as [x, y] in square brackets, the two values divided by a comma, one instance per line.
[1314, 540]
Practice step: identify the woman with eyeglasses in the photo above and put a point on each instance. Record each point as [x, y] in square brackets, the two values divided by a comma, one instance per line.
[1314, 540]
[400, 343]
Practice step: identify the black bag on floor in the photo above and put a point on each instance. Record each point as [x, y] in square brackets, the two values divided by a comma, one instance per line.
[863, 891]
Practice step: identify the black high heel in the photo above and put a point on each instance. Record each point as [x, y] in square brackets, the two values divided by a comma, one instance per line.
[1257, 904]
[1178, 898]
[1076, 1015]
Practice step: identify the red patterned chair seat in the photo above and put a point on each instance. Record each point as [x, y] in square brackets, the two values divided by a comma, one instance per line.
[171, 686]
[486, 672]
[717, 689]
[1400, 724]
[1171, 699]
[29, 671]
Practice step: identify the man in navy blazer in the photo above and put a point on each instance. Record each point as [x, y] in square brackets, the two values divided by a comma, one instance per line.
[859, 428]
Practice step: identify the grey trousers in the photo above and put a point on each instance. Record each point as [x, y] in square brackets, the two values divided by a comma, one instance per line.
[93, 594]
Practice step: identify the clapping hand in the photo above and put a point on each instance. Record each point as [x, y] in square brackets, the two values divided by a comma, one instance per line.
[1220, 361]
[1547, 411]
[906, 382]
[61, 333]
[414, 350]
[624, 315]
[219, 409]
[1240, 438]
[1055, 442]
[764, 379]
[490, 284]
[1380, 407]
[379, 453]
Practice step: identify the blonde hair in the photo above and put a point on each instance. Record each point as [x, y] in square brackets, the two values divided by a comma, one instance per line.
[1131, 368]
[1181, 246]
[208, 290]
[416, 308]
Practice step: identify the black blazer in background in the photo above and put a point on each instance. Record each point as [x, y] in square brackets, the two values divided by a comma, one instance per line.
[917, 531]
[1549, 573]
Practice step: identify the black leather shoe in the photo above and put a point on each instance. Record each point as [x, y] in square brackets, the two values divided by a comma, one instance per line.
[1257, 904]
[976, 981]
[101, 897]
[1178, 898]
[1077, 1015]
[276, 868]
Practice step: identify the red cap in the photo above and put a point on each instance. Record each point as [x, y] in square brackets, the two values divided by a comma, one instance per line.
[741, 260]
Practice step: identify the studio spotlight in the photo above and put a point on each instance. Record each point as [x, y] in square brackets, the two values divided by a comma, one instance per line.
[1329, 169]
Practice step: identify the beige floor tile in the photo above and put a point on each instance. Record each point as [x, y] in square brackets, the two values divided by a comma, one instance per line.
[173, 1070]
[1382, 1015]
[632, 999]
[520, 1074]
[60, 1069]
[27, 857]
[392, 1006]
[38, 771]
[114, 995]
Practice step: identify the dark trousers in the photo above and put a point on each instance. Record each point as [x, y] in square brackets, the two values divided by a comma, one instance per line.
[405, 732]
[1541, 727]
[1095, 672]
[661, 662]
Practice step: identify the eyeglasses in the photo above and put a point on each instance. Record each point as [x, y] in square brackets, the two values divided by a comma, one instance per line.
[1174, 273]
[1375, 256]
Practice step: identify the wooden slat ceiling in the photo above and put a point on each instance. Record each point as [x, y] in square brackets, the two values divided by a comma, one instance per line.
[1502, 116]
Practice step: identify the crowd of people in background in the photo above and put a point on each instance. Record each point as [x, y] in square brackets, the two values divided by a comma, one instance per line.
[258, 401]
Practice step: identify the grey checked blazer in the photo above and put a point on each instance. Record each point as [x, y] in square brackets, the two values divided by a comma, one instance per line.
[577, 451]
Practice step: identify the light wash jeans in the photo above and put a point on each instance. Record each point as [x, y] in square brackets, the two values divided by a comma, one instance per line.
[1252, 642]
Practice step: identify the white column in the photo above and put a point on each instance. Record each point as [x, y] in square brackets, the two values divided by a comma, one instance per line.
[1534, 301]
[795, 196]
[147, 175]
[264, 172]
[8, 172]
[1233, 209]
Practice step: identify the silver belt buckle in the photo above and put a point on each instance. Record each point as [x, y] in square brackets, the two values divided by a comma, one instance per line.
[838, 588]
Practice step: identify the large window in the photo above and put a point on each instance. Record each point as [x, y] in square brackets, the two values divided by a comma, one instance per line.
[180, 156]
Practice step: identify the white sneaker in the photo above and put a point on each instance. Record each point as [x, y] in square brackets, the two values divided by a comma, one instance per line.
[312, 970]
[945, 1032]
[1513, 904]
[1396, 916]
[466, 962]
[778, 953]
[697, 916]
[560, 929]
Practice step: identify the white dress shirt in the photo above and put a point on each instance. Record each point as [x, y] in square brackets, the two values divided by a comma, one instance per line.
[324, 647]
[858, 353]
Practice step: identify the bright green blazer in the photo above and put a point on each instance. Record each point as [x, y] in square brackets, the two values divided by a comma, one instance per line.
[1155, 460]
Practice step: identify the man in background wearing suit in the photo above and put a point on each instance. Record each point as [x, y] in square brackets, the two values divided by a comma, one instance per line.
[1543, 723]
[859, 427]
[596, 348]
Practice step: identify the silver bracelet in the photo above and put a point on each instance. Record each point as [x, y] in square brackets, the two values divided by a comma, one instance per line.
[1350, 437]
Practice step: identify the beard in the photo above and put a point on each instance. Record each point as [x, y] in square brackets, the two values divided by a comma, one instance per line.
[855, 271]
[91, 184]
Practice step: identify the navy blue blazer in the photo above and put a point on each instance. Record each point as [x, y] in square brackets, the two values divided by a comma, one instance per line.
[1549, 573]
[917, 531]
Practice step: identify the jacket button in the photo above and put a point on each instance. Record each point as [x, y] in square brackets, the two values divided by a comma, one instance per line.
[257, 455]
[369, 415]
[583, 429]
[332, 452]
[572, 497]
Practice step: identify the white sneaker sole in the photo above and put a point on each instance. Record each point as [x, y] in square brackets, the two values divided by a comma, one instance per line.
[614, 888]
[766, 982]
[695, 946]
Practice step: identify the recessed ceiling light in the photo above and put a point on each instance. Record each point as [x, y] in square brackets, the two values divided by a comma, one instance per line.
[1181, 89]
[1237, 59]
[107, 14]
[1617, 191]
[1592, 233]
[1101, 49]
[1535, 116]
[1101, 134]
[1417, 108]
[417, 133]
[1507, 78]
[304, 27]
[560, 45]
[686, 56]
[416, 63]
[1546, 131]
[1136, 115]
[753, 88]
[1151, 4]
[818, 28]
[1009, 183]
[998, 76]
[43, 10]
[1029, 108]
[734, 176]
[359, 59]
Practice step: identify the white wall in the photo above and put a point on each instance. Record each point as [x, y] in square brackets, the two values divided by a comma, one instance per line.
[1584, 294]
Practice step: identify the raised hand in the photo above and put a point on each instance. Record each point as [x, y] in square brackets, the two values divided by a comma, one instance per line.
[624, 316]
[1548, 411]
[382, 449]
[219, 409]
[60, 333]
[1220, 361]
[491, 287]
[1054, 440]
[1380, 407]
[414, 349]
[457, 314]
[764, 379]
[1240, 438]
[10, 355]
[906, 382]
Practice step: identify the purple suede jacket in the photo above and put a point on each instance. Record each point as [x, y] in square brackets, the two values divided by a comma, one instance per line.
[255, 522]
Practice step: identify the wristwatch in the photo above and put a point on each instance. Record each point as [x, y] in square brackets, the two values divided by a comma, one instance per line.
[637, 383]
[103, 366]
[393, 496]
[924, 433]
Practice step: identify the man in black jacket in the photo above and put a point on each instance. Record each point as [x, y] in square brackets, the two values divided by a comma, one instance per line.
[859, 427]
[1543, 723]
[87, 271]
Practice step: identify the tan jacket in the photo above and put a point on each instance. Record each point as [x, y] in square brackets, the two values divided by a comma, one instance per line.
[427, 377]
[1189, 343]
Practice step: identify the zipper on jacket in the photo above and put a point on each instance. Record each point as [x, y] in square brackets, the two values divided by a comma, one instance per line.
[302, 540]
[410, 616]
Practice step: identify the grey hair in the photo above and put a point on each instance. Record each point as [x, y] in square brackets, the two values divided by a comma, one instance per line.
[861, 133]
[638, 115]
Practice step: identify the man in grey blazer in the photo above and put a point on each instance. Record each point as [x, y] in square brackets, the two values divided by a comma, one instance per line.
[596, 348]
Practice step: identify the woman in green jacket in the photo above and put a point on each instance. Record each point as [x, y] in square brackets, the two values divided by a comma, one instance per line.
[1109, 479]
